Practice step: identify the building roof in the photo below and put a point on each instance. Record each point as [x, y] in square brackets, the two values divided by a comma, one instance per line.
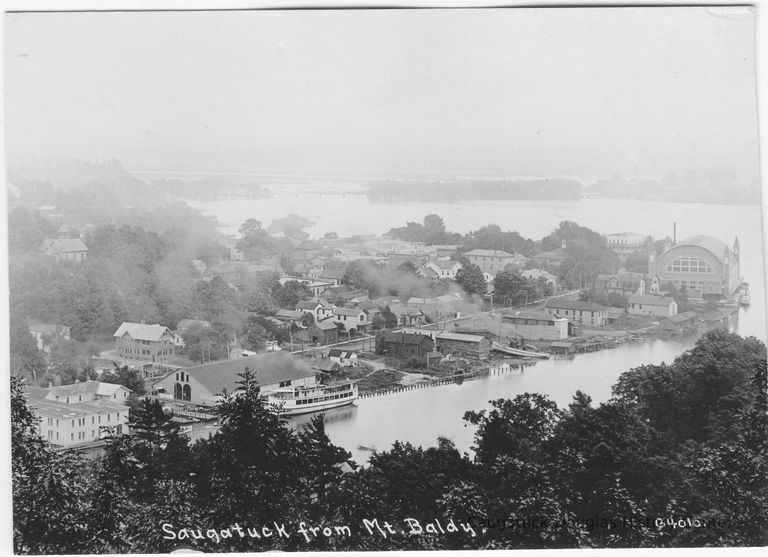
[98, 387]
[444, 263]
[461, 337]
[651, 300]
[340, 353]
[334, 274]
[47, 328]
[289, 314]
[307, 304]
[326, 325]
[537, 315]
[488, 253]
[185, 324]
[65, 245]
[270, 368]
[553, 254]
[348, 311]
[559, 303]
[406, 338]
[141, 331]
[718, 248]
[326, 365]
[411, 311]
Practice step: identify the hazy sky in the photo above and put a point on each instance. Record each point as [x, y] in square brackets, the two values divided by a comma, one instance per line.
[511, 92]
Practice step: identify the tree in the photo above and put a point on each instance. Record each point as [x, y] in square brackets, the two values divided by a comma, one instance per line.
[126, 377]
[47, 487]
[289, 294]
[26, 359]
[390, 319]
[254, 335]
[434, 229]
[408, 267]
[517, 289]
[471, 279]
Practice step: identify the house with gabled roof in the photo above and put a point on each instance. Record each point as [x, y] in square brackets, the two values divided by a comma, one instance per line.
[319, 308]
[351, 318]
[65, 249]
[443, 268]
[343, 357]
[404, 345]
[139, 341]
[659, 306]
[205, 384]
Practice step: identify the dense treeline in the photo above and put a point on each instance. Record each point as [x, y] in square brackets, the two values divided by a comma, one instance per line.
[677, 457]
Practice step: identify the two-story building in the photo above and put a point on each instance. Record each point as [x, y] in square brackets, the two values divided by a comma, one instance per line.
[492, 261]
[138, 341]
[583, 313]
[353, 318]
[76, 414]
[319, 308]
[404, 345]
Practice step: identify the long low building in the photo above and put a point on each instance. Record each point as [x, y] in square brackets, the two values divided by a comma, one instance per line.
[205, 384]
[535, 325]
[583, 313]
[460, 344]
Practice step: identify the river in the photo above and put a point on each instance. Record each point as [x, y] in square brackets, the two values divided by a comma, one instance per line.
[421, 416]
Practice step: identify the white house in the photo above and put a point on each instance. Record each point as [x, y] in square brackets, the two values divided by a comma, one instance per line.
[344, 358]
[659, 306]
[351, 318]
[444, 268]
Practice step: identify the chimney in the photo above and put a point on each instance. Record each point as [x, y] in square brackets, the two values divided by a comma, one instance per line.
[674, 233]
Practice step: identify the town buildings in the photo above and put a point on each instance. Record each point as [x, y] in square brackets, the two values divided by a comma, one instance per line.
[72, 415]
[149, 343]
[205, 384]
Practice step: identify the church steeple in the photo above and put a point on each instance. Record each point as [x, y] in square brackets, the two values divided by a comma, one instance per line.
[736, 246]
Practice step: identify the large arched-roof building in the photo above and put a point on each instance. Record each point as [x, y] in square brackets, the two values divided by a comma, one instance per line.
[703, 265]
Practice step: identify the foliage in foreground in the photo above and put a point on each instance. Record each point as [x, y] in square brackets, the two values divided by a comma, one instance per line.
[677, 457]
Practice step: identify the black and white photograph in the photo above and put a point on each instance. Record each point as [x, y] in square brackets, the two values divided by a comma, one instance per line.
[363, 279]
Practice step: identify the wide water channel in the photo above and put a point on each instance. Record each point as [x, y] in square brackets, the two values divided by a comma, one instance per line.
[421, 416]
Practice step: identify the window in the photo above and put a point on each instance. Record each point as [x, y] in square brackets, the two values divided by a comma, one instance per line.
[73, 423]
[71, 436]
[687, 264]
[79, 398]
[109, 417]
